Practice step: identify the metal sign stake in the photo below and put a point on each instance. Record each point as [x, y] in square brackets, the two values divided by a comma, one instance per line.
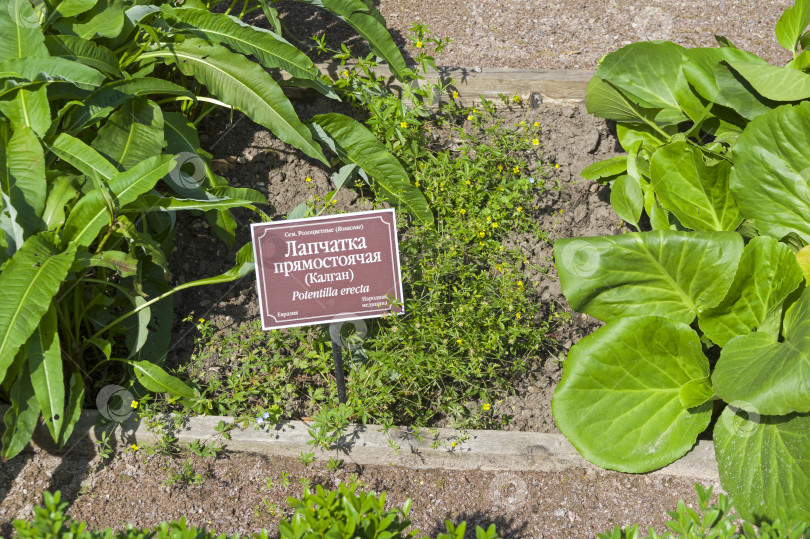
[337, 354]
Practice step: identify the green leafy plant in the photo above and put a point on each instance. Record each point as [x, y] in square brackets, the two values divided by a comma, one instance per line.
[349, 512]
[345, 513]
[99, 107]
[716, 520]
[709, 311]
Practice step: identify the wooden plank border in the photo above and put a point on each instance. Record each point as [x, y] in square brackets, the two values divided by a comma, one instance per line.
[533, 86]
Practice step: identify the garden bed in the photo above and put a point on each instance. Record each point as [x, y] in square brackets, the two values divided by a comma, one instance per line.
[570, 139]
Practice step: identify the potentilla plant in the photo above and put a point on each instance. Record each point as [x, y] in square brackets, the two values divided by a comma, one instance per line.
[708, 314]
[99, 103]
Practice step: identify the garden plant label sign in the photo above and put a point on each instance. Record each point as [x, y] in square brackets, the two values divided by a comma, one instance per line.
[330, 269]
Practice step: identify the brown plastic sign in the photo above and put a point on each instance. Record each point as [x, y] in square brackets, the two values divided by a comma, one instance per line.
[321, 270]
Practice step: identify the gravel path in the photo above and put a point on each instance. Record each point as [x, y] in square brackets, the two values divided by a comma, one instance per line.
[572, 34]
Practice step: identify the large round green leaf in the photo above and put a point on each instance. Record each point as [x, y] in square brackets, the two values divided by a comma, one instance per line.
[738, 93]
[698, 68]
[646, 72]
[792, 23]
[671, 273]
[770, 179]
[764, 462]
[619, 398]
[770, 377]
[775, 82]
[695, 192]
[767, 273]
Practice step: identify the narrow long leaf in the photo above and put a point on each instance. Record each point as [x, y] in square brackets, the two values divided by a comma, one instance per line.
[244, 85]
[90, 214]
[356, 145]
[83, 157]
[21, 418]
[27, 286]
[45, 366]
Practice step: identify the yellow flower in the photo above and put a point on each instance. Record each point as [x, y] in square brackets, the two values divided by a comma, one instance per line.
[453, 444]
[403, 125]
[557, 165]
[516, 170]
[455, 94]
[334, 201]
[500, 168]
[419, 44]
[494, 225]
[133, 447]
[522, 122]
[520, 209]
[470, 118]
[416, 183]
[468, 182]
[346, 73]
[516, 99]
[172, 400]
[486, 406]
[459, 341]
[462, 211]
[537, 124]
[134, 405]
[489, 218]
[202, 320]
[520, 284]
[535, 142]
[482, 234]
[309, 180]
[517, 316]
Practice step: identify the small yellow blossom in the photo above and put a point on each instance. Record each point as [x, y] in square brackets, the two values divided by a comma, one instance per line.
[470, 118]
[309, 180]
[500, 168]
[202, 320]
[455, 94]
[489, 218]
[516, 170]
[419, 44]
[346, 73]
[517, 316]
[334, 201]
[535, 142]
[557, 165]
[462, 211]
[134, 447]
[403, 125]
[468, 182]
[522, 122]
[134, 405]
[520, 209]
[416, 183]
[453, 444]
[172, 400]
[482, 234]
[516, 99]
[459, 341]
[537, 124]
[494, 225]
[486, 406]
[520, 284]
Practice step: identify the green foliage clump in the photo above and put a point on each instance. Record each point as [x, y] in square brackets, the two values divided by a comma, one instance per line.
[718, 521]
[99, 149]
[708, 312]
[344, 513]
